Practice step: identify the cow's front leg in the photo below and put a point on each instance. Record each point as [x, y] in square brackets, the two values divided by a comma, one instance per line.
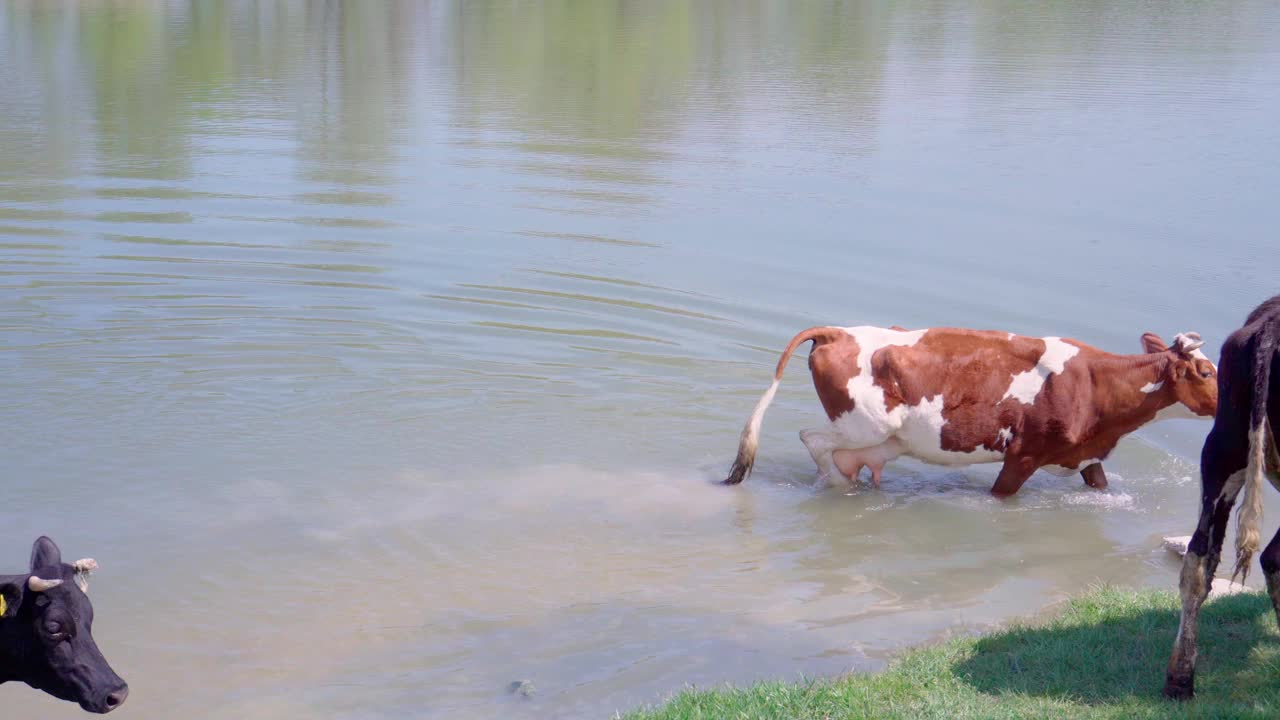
[1271, 571]
[1014, 473]
[1094, 476]
[1270, 558]
[1198, 566]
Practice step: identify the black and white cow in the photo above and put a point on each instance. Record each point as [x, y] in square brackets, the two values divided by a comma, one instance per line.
[46, 638]
[1239, 452]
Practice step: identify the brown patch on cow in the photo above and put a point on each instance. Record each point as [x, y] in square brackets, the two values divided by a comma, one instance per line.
[833, 362]
[1099, 404]
[970, 369]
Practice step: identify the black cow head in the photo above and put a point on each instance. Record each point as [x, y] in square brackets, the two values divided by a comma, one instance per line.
[46, 638]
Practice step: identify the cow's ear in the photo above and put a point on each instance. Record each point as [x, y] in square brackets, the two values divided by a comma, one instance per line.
[44, 554]
[11, 595]
[1152, 343]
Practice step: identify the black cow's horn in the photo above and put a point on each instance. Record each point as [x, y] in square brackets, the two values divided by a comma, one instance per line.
[38, 584]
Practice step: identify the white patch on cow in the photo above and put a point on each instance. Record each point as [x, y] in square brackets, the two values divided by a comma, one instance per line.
[918, 428]
[1152, 387]
[1186, 338]
[1025, 386]
[870, 423]
[1232, 486]
[1004, 437]
[1012, 336]
[1064, 471]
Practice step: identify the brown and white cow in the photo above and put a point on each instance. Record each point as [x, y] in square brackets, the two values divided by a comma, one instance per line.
[1239, 452]
[958, 397]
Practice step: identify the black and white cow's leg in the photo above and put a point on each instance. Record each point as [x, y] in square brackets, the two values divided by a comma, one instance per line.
[1094, 476]
[1219, 489]
[1271, 571]
[1270, 558]
[1013, 474]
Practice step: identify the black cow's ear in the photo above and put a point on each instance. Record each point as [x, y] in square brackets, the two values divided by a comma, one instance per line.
[44, 553]
[11, 595]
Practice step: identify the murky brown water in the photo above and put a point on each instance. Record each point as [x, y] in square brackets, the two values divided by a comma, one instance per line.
[382, 352]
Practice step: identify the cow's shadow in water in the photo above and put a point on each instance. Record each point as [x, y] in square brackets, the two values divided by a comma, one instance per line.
[1116, 659]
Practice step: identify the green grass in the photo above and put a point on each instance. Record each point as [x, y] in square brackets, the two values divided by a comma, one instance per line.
[1103, 656]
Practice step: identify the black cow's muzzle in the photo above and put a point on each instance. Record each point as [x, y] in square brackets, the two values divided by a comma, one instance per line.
[108, 702]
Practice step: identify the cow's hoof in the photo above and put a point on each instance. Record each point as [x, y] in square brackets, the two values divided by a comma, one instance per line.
[1180, 688]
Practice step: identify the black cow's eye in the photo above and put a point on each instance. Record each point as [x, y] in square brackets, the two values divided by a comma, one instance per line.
[55, 630]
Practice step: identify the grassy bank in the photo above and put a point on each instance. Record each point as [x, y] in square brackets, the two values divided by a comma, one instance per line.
[1102, 656]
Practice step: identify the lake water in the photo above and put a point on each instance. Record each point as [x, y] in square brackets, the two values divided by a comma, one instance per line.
[383, 353]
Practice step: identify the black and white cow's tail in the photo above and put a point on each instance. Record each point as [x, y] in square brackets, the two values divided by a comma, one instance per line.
[750, 438]
[1249, 516]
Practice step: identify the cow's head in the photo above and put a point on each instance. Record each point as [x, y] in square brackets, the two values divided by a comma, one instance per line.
[1192, 377]
[46, 638]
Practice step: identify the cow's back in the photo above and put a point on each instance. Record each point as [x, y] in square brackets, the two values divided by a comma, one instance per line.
[965, 367]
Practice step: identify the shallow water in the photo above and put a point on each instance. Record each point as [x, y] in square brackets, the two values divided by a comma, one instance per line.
[382, 353]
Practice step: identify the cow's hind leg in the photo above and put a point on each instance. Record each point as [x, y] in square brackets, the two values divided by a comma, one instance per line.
[1219, 489]
[1271, 554]
[821, 447]
[1271, 571]
[1094, 476]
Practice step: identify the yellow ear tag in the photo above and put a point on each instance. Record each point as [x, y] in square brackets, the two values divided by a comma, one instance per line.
[2, 606]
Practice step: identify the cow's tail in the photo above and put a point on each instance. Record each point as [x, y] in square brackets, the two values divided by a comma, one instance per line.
[1250, 514]
[750, 438]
